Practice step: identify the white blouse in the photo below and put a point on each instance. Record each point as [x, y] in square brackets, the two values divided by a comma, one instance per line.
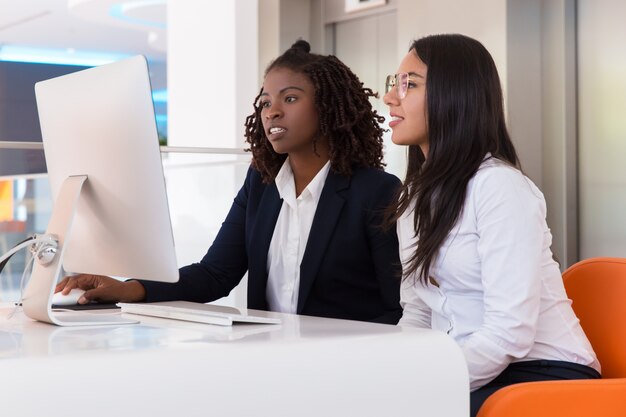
[291, 234]
[500, 294]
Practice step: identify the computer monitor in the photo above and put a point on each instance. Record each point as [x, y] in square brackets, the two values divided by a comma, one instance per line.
[104, 165]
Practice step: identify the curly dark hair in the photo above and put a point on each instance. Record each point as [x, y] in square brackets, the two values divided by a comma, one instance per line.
[346, 117]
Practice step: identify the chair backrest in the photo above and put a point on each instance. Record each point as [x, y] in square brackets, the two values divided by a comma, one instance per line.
[597, 288]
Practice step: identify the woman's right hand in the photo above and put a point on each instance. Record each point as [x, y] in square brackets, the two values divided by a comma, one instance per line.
[102, 289]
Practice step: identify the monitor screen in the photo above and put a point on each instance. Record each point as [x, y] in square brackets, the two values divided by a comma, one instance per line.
[100, 123]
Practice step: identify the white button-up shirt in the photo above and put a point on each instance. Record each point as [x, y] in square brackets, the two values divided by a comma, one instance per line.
[290, 237]
[500, 294]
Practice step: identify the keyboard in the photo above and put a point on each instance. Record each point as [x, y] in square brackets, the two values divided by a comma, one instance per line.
[90, 306]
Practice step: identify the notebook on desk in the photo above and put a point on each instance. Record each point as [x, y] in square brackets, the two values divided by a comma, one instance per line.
[196, 312]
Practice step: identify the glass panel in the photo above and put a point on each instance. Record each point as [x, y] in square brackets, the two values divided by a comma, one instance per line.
[15, 162]
[25, 209]
[602, 127]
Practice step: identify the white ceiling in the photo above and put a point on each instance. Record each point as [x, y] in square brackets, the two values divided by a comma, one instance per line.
[86, 25]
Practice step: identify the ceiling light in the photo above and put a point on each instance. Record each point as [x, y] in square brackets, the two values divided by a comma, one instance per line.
[159, 96]
[120, 11]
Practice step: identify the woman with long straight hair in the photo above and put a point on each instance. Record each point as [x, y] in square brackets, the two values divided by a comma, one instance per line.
[474, 242]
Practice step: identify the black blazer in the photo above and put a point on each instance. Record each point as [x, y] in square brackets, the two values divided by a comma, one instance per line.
[350, 268]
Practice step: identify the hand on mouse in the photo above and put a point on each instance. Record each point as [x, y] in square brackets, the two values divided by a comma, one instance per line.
[102, 289]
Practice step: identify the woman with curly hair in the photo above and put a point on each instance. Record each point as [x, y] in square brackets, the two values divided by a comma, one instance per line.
[306, 223]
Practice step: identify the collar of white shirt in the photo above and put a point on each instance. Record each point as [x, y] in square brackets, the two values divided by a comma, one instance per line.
[286, 184]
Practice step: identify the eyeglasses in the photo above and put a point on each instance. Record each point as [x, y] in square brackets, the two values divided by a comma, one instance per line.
[400, 81]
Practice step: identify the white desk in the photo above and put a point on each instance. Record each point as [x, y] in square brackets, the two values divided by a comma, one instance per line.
[304, 367]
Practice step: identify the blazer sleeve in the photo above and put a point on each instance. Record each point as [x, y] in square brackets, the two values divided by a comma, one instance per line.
[222, 267]
[384, 249]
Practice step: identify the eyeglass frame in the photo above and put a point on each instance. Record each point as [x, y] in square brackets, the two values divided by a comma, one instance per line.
[400, 81]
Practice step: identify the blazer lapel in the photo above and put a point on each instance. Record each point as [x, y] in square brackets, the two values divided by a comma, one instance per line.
[259, 244]
[326, 215]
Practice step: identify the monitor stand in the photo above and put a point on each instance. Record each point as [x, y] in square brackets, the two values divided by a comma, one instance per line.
[37, 298]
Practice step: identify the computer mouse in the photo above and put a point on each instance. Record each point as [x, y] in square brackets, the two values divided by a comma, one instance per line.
[67, 300]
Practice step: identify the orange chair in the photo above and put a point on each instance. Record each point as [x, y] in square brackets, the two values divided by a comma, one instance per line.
[597, 288]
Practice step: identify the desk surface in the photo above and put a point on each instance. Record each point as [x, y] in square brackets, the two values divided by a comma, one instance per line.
[306, 366]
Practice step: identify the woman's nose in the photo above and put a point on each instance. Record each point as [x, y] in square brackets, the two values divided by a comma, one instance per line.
[390, 98]
[273, 112]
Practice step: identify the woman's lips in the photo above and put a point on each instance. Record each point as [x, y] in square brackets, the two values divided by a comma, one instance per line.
[395, 120]
[276, 132]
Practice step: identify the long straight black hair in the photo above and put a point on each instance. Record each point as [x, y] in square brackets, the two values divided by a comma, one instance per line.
[465, 123]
